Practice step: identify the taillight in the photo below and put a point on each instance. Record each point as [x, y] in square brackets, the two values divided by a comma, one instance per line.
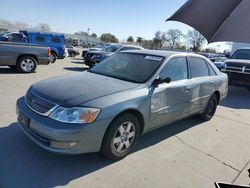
[49, 52]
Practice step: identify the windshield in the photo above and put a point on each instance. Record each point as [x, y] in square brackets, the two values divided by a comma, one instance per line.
[112, 48]
[136, 68]
[241, 54]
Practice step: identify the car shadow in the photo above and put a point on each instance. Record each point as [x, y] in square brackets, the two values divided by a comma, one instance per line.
[7, 70]
[238, 98]
[77, 69]
[25, 164]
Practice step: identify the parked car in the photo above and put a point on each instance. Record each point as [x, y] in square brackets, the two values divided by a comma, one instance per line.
[71, 50]
[23, 57]
[237, 67]
[52, 40]
[219, 62]
[13, 37]
[110, 106]
[93, 57]
[100, 47]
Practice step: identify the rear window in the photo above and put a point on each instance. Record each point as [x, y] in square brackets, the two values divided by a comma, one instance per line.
[55, 40]
[40, 39]
[198, 67]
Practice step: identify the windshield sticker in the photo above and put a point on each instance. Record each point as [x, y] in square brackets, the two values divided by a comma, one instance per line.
[154, 58]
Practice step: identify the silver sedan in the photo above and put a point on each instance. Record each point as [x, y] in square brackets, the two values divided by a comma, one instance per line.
[110, 106]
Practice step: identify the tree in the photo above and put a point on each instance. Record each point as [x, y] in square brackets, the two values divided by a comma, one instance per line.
[173, 37]
[130, 39]
[139, 40]
[42, 27]
[81, 33]
[195, 39]
[94, 35]
[108, 37]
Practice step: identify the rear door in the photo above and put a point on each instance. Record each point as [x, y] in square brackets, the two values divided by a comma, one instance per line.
[203, 84]
[171, 101]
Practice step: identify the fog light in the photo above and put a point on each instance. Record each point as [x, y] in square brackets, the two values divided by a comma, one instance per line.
[62, 145]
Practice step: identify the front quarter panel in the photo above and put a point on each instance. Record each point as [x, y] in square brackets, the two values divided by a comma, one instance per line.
[115, 104]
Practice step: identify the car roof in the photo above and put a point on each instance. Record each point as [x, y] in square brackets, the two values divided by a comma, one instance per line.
[162, 53]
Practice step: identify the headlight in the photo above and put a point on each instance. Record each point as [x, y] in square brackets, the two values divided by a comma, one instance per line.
[97, 56]
[75, 114]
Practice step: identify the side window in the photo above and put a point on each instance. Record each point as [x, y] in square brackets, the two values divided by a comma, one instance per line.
[176, 69]
[40, 39]
[55, 40]
[211, 70]
[198, 67]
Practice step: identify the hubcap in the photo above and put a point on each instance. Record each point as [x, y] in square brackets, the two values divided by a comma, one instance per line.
[27, 65]
[211, 108]
[124, 137]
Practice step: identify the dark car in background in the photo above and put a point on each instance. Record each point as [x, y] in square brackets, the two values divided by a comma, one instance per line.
[237, 67]
[93, 57]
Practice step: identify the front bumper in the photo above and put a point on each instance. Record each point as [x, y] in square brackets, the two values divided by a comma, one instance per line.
[60, 137]
[91, 62]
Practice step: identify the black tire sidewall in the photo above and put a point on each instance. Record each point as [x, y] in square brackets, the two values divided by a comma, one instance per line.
[205, 115]
[19, 68]
[107, 144]
[54, 56]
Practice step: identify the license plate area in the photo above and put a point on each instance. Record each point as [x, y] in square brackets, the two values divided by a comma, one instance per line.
[23, 119]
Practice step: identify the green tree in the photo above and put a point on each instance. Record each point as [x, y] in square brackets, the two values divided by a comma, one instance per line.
[108, 37]
[94, 35]
[130, 39]
[139, 40]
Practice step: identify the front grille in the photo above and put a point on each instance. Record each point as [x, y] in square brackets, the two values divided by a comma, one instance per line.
[237, 67]
[38, 104]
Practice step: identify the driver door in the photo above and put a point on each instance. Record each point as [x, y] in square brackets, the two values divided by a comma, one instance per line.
[171, 101]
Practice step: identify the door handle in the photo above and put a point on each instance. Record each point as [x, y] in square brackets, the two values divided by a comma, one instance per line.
[211, 84]
[187, 90]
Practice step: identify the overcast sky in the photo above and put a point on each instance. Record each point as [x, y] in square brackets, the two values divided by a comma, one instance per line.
[120, 17]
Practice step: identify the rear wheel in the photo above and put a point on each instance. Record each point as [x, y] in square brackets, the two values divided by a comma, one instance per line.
[26, 64]
[53, 57]
[210, 108]
[73, 54]
[121, 136]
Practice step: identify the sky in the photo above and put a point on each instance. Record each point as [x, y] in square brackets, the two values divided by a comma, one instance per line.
[119, 17]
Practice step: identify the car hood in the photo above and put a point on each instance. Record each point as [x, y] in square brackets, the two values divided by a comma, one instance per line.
[79, 88]
[101, 52]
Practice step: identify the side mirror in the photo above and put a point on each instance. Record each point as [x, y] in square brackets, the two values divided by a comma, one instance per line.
[227, 55]
[159, 81]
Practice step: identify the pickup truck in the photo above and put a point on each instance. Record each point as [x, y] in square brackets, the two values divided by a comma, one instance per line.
[237, 67]
[23, 57]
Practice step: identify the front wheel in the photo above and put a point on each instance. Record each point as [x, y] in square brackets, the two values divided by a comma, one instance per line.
[121, 136]
[26, 64]
[210, 108]
[53, 57]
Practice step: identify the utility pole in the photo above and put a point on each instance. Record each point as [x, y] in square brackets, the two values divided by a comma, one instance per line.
[88, 37]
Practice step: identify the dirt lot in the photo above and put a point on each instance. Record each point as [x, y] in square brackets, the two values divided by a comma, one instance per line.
[186, 154]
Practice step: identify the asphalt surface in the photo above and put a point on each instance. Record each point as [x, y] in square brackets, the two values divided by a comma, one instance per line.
[189, 153]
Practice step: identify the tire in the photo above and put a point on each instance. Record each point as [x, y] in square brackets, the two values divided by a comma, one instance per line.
[121, 136]
[73, 54]
[210, 108]
[26, 64]
[53, 57]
